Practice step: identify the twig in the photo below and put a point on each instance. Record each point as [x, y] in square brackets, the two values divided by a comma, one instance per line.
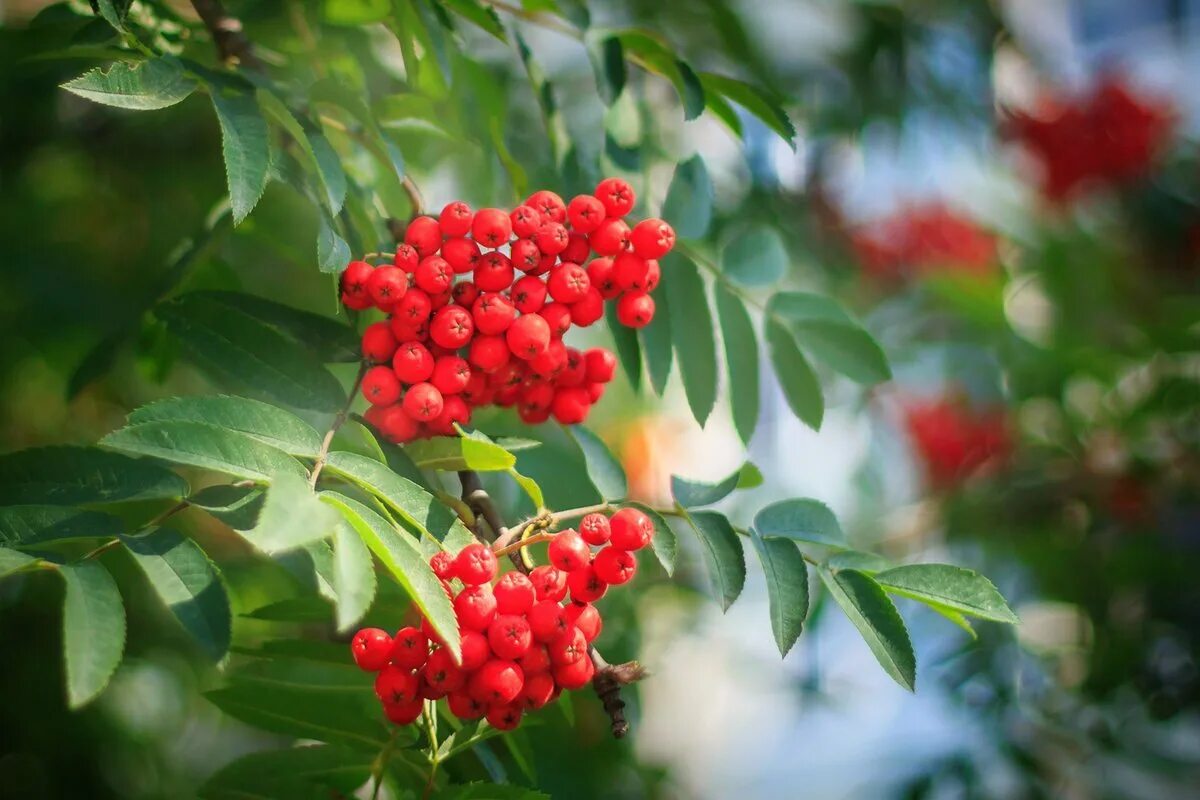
[480, 503]
[338, 421]
[523, 542]
[607, 684]
[233, 46]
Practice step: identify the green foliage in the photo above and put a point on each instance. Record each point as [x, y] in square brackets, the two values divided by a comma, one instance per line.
[796, 377]
[93, 629]
[150, 85]
[689, 203]
[723, 555]
[803, 520]
[83, 475]
[32, 526]
[787, 588]
[943, 586]
[603, 469]
[868, 607]
[692, 334]
[308, 771]
[199, 444]
[741, 360]
[689, 493]
[260, 421]
[755, 257]
[245, 145]
[291, 517]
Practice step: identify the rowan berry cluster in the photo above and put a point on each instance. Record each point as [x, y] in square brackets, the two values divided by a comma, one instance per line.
[479, 302]
[522, 640]
[953, 440]
[921, 240]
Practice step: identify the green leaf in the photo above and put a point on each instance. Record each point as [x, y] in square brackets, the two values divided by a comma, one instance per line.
[186, 581]
[292, 516]
[692, 334]
[198, 444]
[664, 543]
[608, 65]
[153, 84]
[822, 327]
[656, 343]
[66, 475]
[803, 520]
[319, 154]
[492, 791]
[868, 607]
[327, 339]
[755, 257]
[236, 506]
[329, 90]
[870, 563]
[403, 558]
[333, 254]
[603, 469]
[689, 493]
[478, 14]
[355, 12]
[246, 354]
[787, 588]
[266, 423]
[12, 561]
[415, 506]
[757, 101]
[689, 202]
[741, 360]
[353, 576]
[27, 526]
[530, 487]
[950, 587]
[245, 145]
[749, 476]
[93, 629]
[460, 452]
[657, 56]
[625, 340]
[796, 376]
[722, 555]
[310, 771]
[303, 714]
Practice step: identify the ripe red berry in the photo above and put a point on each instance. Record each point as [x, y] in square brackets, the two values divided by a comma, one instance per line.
[568, 283]
[536, 660]
[423, 402]
[558, 317]
[537, 691]
[413, 362]
[610, 238]
[451, 327]
[601, 365]
[493, 313]
[631, 529]
[615, 567]
[488, 353]
[616, 195]
[509, 636]
[585, 213]
[529, 294]
[549, 205]
[528, 336]
[478, 391]
[652, 238]
[653, 276]
[588, 309]
[380, 386]
[424, 235]
[378, 343]
[586, 584]
[629, 270]
[525, 221]
[595, 391]
[465, 293]
[600, 274]
[635, 309]
[571, 405]
[585, 617]
[594, 529]
[533, 415]
[568, 648]
[410, 648]
[404, 713]
[371, 648]
[454, 411]
[387, 285]
[576, 674]
[551, 362]
[549, 582]
[475, 607]
[497, 682]
[396, 684]
[464, 706]
[574, 373]
[476, 564]
[546, 621]
[414, 307]
[450, 375]
[525, 255]
[441, 673]
[461, 254]
[551, 238]
[437, 301]
[455, 219]
[491, 227]
[356, 302]
[504, 717]
[354, 278]
[475, 650]
[434, 275]
[406, 257]
[395, 424]
[568, 551]
[494, 272]
[578, 249]
[515, 593]
[442, 564]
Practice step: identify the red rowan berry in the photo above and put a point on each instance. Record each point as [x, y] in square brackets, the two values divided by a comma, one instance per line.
[452, 327]
[529, 294]
[396, 425]
[488, 353]
[525, 221]
[455, 219]
[412, 362]
[551, 361]
[531, 415]
[600, 275]
[568, 647]
[437, 301]
[465, 293]
[406, 331]
[615, 567]
[568, 551]
[475, 649]
[493, 313]
[575, 675]
[635, 309]
[441, 673]
[571, 405]
[491, 227]
[610, 238]
[410, 648]
[587, 310]
[387, 285]
[546, 621]
[586, 585]
[601, 364]
[504, 717]
[528, 336]
[454, 410]
[535, 402]
[461, 254]
[537, 691]
[631, 529]
[595, 392]
[434, 275]
[464, 706]
[509, 636]
[568, 283]
[354, 278]
[371, 648]
[475, 607]
[616, 195]
[380, 386]
[652, 238]
[396, 684]
[478, 392]
[629, 270]
[423, 402]
[442, 564]
[549, 205]
[494, 272]
[356, 302]
[585, 213]
[525, 255]
[545, 265]
[551, 238]
[425, 691]
[497, 682]
[406, 257]
[414, 307]
[378, 343]
[558, 317]
[450, 375]
[424, 235]
[574, 372]
[653, 276]
[594, 529]
[577, 251]
[476, 564]
[549, 582]
[404, 713]
[586, 617]
[515, 593]
[537, 659]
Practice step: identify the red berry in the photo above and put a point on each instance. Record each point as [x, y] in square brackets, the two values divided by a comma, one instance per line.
[525, 255]
[536, 660]
[465, 707]
[529, 294]
[568, 551]
[478, 392]
[387, 285]
[635, 309]
[454, 410]
[380, 386]
[551, 362]
[615, 567]
[451, 327]
[610, 238]
[588, 309]
[515, 593]
[450, 375]
[494, 272]
[551, 238]
[586, 584]
[378, 343]
[631, 529]
[434, 275]
[424, 235]
[616, 195]
[600, 274]
[652, 238]
[653, 275]
[558, 317]
[356, 302]
[493, 313]
[410, 648]
[497, 682]
[455, 219]
[396, 684]
[594, 529]
[574, 373]
[423, 402]
[461, 254]
[568, 283]
[475, 607]
[504, 717]
[532, 415]
[413, 362]
[437, 301]
[549, 205]
[546, 621]
[571, 405]
[509, 636]
[489, 353]
[576, 674]
[549, 582]
[371, 648]
[568, 647]
[585, 617]
[629, 270]
[585, 213]
[354, 278]
[476, 564]
[406, 257]
[578, 249]
[595, 392]
[395, 424]
[491, 227]
[528, 336]
[414, 307]
[537, 691]
[475, 650]
[404, 713]
[465, 293]
[546, 264]
[525, 221]
[600, 364]
[442, 564]
[441, 673]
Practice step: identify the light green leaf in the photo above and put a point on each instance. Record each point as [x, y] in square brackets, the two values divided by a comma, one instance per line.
[153, 84]
[822, 327]
[303, 714]
[12, 561]
[692, 334]
[460, 452]
[722, 555]
[28, 526]
[355, 12]
[245, 145]
[741, 360]
[266, 423]
[608, 66]
[475, 12]
[530, 487]
[950, 587]
[755, 257]
[308, 772]
[656, 343]
[787, 588]
[603, 469]
[187, 582]
[327, 339]
[868, 607]
[65, 475]
[749, 476]
[206, 446]
[333, 254]
[625, 340]
[402, 557]
[93, 629]
[292, 516]
[236, 506]
[803, 520]
[353, 576]
[870, 563]
[796, 377]
[689, 202]
[757, 101]
[689, 493]
[665, 544]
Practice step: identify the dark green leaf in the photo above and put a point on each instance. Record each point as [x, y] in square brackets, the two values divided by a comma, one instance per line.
[245, 145]
[298, 773]
[83, 475]
[741, 360]
[186, 581]
[757, 101]
[946, 586]
[319, 154]
[657, 56]
[26, 526]
[303, 714]
[689, 203]
[153, 84]
[787, 588]
[868, 607]
[206, 446]
[327, 339]
[603, 469]
[656, 343]
[492, 791]
[689, 493]
[93, 629]
[823, 328]
[353, 576]
[755, 257]
[626, 342]
[478, 14]
[292, 516]
[236, 506]
[333, 254]
[608, 65]
[796, 376]
[722, 555]
[664, 543]
[266, 423]
[692, 334]
[14, 561]
[802, 519]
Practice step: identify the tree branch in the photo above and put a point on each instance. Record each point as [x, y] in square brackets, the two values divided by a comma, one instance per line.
[233, 46]
[480, 503]
[338, 421]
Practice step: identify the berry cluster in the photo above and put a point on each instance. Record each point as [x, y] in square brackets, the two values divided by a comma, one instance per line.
[521, 645]
[953, 440]
[924, 239]
[479, 301]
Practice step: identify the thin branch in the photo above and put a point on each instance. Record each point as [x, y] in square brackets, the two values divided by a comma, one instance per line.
[233, 46]
[480, 503]
[523, 542]
[338, 421]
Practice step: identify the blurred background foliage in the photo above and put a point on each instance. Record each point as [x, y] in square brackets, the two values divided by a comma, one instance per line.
[1006, 192]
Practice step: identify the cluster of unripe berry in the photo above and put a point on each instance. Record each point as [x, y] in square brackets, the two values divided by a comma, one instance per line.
[479, 301]
[522, 640]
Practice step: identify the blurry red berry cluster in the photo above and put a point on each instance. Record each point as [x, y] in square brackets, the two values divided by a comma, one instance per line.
[953, 440]
[522, 641]
[1110, 135]
[479, 301]
[924, 239]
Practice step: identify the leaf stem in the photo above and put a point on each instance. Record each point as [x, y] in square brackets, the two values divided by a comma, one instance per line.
[338, 421]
